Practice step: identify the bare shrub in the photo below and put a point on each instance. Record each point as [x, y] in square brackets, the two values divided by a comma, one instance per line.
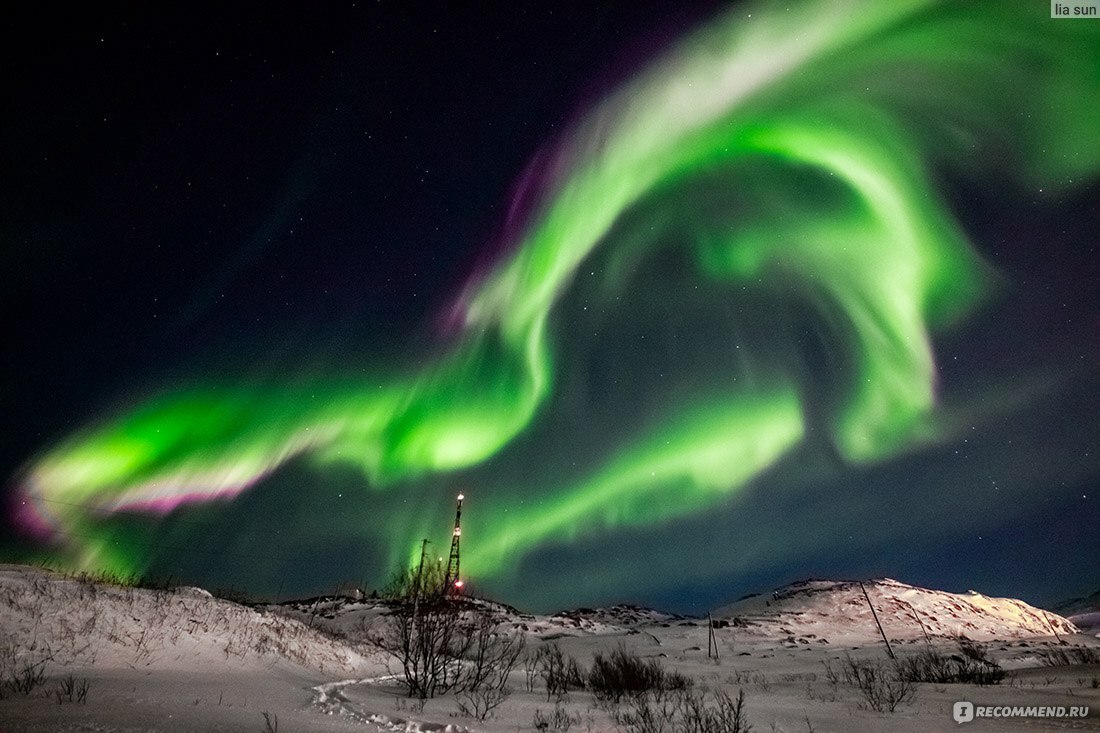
[973, 650]
[684, 710]
[971, 666]
[492, 658]
[1068, 656]
[727, 716]
[27, 678]
[423, 633]
[882, 686]
[648, 713]
[426, 639]
[530, 670]
[623, 674]
[559, 720]
[559, 673]
[832, 674]
[480, 702]
[68, 689]
[441, 644]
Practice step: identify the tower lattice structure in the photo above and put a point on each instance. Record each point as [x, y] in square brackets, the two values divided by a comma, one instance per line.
[452, 581]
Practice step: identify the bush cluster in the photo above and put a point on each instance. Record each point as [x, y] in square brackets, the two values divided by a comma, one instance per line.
[882, 685]
[684, 710]
[622, 674]
[1069, 656]
[971, 665]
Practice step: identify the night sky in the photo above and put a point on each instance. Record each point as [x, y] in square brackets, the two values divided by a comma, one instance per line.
[690, 300]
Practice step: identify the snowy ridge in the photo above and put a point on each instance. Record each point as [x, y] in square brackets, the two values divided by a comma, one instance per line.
[619, 615]
[805, 612]
[80, 622]
[1088, 604]
[838, 610]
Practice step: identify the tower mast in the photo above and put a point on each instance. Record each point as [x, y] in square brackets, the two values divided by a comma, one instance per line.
[451, 580]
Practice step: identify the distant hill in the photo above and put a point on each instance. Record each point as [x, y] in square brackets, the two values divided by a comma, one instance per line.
[1083, 612]
[1088, 604]
[838, 610]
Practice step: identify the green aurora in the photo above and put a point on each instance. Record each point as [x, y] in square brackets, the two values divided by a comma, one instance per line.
[786, 159]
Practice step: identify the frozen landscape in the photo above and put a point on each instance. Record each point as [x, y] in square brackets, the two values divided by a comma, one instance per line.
[84, 655]
[690, 298]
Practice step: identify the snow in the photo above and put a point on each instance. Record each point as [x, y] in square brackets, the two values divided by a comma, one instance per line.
[181, 659]
[1087, 622]
[837, 611]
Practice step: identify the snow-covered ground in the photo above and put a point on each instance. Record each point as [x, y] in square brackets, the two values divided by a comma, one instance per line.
[182, 660]
[838, 611]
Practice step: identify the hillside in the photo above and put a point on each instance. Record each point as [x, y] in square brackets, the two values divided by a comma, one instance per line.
[181, 659]
[838, 611]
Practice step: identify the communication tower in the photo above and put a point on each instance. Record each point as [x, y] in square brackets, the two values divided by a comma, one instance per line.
[452, 581]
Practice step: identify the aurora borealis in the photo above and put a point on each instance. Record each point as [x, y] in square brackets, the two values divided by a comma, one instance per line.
[711, 343]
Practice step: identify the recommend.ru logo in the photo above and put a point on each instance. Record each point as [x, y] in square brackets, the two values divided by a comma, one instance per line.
[964, 712]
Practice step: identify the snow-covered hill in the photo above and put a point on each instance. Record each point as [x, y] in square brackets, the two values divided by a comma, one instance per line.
[806, 612]
[813, 610]
[181, 659]
[79, 622]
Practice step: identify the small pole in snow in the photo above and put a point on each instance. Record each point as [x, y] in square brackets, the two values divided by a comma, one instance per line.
[1046, 617]
[712, 642]
[313, 614]
[877, 623]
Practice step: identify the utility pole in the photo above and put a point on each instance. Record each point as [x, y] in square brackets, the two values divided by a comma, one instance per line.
[452, 581]
[712, 642]
[877, 623]
[420, 569]
[1046, 617]
[916, 615]
[418, 582]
